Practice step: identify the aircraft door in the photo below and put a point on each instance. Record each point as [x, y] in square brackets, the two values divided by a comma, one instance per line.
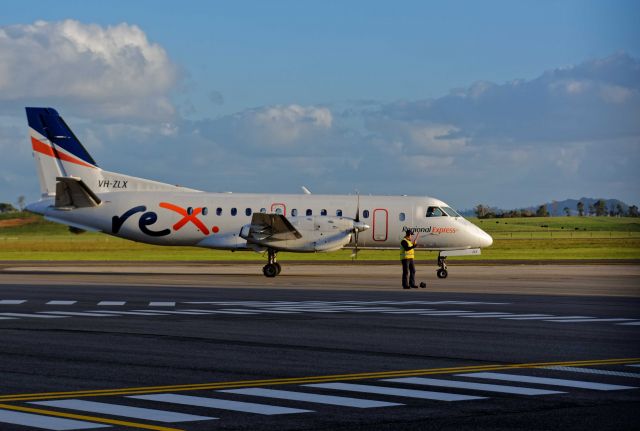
[279, 208]
[380, 224]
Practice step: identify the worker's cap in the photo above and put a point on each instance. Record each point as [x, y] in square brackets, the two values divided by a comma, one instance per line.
[408, 232]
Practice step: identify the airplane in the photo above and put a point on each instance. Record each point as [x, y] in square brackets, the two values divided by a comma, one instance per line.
[78, 193]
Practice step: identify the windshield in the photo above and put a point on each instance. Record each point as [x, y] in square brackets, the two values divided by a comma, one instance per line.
[451, 212]
[435, 212]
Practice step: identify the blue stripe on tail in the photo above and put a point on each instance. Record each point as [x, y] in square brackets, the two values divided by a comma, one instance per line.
[47, 122]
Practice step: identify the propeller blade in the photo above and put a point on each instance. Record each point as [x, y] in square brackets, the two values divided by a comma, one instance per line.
[354, 255]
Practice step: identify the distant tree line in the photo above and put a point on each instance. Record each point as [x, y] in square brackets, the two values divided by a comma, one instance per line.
[598, 209]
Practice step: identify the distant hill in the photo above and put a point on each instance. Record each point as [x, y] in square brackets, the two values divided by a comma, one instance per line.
[556, 208]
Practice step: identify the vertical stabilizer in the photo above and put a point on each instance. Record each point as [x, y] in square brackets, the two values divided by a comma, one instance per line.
[57, 151]
[59, 154]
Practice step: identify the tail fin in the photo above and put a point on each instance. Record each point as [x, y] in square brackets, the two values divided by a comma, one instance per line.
[59, 153]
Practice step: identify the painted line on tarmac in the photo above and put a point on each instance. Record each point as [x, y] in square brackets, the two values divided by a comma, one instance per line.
[309, 379]
[594, 371]
[546, 381]
[87, 418]
[358, 403]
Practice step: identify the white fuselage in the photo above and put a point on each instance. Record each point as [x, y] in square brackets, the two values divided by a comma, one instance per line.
[215, 220]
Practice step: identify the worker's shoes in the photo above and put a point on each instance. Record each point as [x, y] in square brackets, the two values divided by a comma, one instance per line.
[406, 287]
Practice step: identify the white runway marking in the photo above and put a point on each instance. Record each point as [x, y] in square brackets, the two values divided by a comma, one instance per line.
[111, 303]
[261, 409]
[160, 312]
[162, 304]
[633, 365]
[629, 323]
[471, 385]
[486, 315]
[312, 398]
[595, 371]
[119, 410]
[45, 422]
[12, 301]
[260, 311]
[223, 312]
[117, 313]
[61, 302]
[528, 317]
[547, 381]
[587, 320]
[76, 313]
[40, 316]
[384, 390]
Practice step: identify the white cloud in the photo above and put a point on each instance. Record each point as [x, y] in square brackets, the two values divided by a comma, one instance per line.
[101, 71]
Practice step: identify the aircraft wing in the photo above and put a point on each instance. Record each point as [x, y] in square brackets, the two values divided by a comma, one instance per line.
[271, 227]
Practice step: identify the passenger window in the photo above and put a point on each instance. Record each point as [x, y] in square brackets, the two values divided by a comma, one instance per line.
[205, 211]
[365, 214]
[279, 210]
[263, 210]
[218, 211]
[435, 212]
[234, 211]
[339, 213]
[309, 212]
[323, 212]
[401, 217]
[247, 211]
[190, 210]
[294, 212]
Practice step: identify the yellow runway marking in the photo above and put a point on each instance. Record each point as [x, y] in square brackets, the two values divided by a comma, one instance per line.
[87, 418]
[304, 380]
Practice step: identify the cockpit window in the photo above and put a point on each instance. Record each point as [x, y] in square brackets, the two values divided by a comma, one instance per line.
[435, 212]
[451, 212]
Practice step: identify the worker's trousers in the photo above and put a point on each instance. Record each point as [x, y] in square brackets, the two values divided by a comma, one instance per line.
[408, 271]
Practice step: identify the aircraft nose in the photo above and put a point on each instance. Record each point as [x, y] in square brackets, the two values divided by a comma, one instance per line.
[485, 239]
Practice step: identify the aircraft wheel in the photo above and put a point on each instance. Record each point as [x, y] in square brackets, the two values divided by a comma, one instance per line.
[278, 267]
[270, 270]
[442, 273]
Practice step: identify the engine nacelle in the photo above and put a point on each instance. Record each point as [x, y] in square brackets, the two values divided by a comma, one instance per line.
[317, 234]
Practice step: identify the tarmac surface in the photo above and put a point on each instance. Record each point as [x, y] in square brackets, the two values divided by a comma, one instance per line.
[205, 347]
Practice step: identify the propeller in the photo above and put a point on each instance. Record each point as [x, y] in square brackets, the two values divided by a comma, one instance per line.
[357, 227]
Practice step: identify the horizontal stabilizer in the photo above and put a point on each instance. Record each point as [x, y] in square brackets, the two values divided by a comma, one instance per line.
[72, 192]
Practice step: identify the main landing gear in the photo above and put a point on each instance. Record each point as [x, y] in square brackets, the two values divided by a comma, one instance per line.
[442, 270]
[272, 268]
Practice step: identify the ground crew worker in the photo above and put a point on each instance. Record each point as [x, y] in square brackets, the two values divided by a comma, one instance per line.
[407, 256]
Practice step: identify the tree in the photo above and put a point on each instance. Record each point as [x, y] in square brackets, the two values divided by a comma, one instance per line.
[592, 209]
[619, 210]
[20, 202]
[567, 211]
[601, 207]
[633, 211]
[542, 211]
[6, 207]
[481, 211]
[580, 208]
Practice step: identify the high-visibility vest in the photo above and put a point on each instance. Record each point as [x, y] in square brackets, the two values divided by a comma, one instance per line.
[406, 254]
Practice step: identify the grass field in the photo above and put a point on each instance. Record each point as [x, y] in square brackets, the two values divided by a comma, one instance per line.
[27, 237]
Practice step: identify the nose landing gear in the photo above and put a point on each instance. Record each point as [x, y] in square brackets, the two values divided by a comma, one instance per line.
[272, 268]
[442, 270]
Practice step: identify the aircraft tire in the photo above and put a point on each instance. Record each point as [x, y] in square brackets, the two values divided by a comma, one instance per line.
[442, 273]
[278, 267]
[270, 270]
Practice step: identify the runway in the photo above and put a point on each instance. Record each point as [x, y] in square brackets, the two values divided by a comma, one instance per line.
[202, 347]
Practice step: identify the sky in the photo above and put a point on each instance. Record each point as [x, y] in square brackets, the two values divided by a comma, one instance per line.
[504, 103]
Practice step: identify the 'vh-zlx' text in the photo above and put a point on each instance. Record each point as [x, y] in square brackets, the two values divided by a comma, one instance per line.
[114, 184]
